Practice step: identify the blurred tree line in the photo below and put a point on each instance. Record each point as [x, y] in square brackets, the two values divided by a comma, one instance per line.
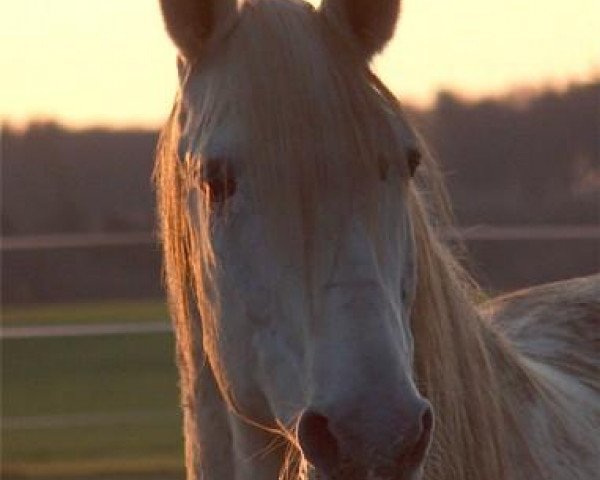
[507, 161]
[516, 160]
[57, 181]
[521, 159]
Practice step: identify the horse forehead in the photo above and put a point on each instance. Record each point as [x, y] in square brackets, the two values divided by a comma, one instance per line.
[224, 142]
[286, 7]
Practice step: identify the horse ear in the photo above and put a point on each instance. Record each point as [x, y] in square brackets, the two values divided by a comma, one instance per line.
[371, 22]
[190, 23]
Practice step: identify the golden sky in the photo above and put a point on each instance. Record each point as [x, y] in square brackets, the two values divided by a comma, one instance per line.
[109, 62]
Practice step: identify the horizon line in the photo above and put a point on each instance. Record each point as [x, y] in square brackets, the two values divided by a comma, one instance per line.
[517, 95]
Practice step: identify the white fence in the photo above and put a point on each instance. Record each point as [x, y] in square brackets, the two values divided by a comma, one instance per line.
[472, 233]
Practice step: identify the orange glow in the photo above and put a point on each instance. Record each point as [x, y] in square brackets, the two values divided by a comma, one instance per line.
[109, 62]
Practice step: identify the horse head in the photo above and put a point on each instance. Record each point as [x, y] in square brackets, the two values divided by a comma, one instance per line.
[294, 164]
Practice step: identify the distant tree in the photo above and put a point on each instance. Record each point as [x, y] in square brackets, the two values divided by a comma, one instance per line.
[518, 160]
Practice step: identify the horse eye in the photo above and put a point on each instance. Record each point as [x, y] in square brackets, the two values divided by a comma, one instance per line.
[218, 180]
[413, 156]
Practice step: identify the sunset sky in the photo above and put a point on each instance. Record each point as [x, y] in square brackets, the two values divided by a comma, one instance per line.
[109, 62]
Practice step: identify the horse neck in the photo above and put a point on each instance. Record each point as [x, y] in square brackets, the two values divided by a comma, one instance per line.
[497, 417]
[460, 365]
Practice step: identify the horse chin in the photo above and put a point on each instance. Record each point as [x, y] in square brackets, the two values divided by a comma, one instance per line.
[372, 474]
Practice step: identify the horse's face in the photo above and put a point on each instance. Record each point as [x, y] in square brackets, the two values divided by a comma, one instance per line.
[302, 221]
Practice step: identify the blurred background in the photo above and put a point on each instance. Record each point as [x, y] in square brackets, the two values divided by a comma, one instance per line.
[507, 95]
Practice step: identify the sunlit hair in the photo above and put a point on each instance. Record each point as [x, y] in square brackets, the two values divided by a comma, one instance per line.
[475, 381]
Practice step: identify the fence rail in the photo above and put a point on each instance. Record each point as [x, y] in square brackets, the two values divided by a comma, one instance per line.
[76, 240]
[94, 330]
[529, 232]
[471, 233]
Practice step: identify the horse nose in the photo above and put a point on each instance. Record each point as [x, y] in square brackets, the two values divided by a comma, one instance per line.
[319, 444]
[329, 442]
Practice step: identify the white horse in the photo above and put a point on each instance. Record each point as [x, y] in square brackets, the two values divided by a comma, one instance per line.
[321, 320]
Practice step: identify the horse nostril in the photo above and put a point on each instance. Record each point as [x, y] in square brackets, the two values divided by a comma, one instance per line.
[319, 445]
[413, 453]
[426, 421]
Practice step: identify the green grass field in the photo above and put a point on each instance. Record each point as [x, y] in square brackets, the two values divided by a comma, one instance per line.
[90, 407]
[85, 313]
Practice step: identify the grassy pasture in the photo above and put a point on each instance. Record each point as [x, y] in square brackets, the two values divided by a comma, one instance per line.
[84, 313]
[90, 407]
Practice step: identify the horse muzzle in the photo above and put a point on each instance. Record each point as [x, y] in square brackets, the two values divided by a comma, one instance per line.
[338, 451]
